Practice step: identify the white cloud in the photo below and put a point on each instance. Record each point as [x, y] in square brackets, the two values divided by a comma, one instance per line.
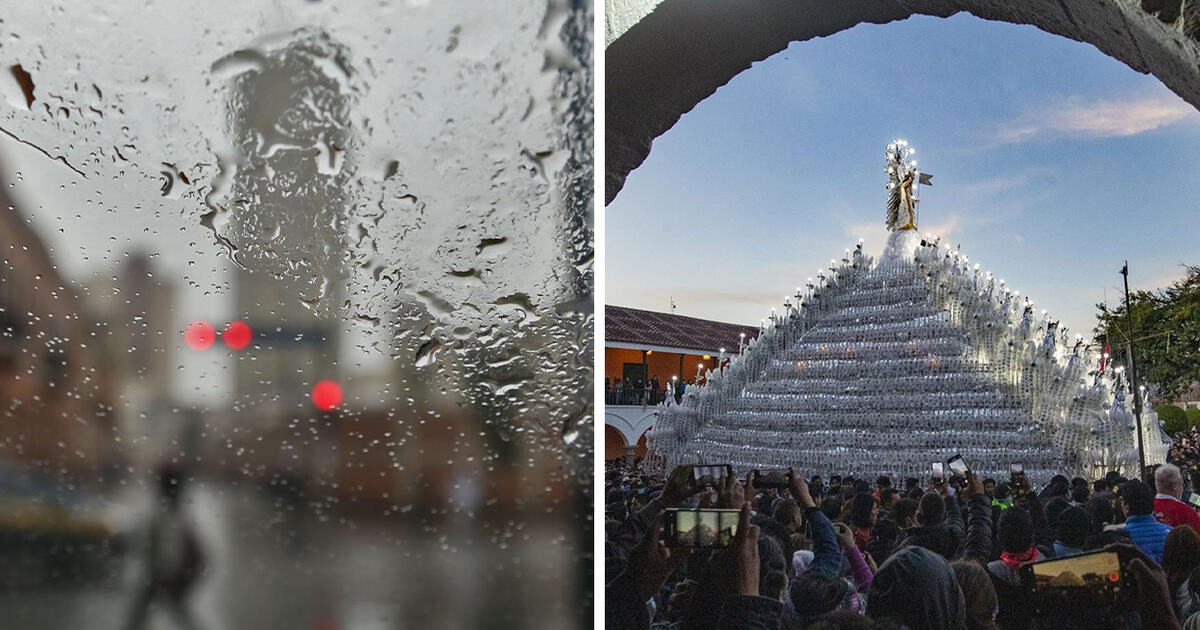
[943, 229]
[1098, 119]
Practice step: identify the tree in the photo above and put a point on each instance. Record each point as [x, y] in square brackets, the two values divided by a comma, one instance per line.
[1166, 334]
[1193, 416]
[1175, 419]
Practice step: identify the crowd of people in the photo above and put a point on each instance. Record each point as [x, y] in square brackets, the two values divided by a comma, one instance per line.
[942, 553]
[638, 391]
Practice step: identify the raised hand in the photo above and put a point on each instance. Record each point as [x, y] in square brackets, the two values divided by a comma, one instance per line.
[739, 562]
[799, 490]
[679, 486]
[845, 535]
[733, 494]
[974, 485]
[652, 562]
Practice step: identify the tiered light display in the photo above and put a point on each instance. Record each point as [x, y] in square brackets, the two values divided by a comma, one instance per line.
[882, 367]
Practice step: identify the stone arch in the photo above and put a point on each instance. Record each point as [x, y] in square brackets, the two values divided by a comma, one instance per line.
[614, 443]
[665, 56]
[642, 444]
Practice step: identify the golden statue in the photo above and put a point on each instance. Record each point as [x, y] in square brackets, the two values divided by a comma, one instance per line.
[903, 176]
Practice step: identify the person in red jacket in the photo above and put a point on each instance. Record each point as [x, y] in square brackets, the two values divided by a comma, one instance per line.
[1169, 508]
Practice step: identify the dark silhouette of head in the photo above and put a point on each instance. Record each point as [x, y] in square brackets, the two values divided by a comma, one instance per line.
[1015, 531]
[1074, 526]
[862, 510]
[772, 568]
[932, 510]
[904, 511]
[1181, 554]
[831, 507]
[1137, 497]
[814, 594]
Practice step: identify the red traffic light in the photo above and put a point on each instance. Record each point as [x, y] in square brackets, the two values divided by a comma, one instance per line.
[237, 335]
[199, 335]
[327, 395]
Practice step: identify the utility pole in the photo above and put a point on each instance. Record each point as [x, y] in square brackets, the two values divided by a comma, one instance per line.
[1137, 394]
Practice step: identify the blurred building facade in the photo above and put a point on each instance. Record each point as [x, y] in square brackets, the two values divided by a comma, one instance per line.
[56, 403]
[134, 310]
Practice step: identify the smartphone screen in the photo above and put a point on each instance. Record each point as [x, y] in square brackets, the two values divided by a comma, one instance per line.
[710, 476]
[938, 473]
[701, 529]
[777, 478]
[1194, 500]
[1085, 582]
[1016, 473]
[958, 466]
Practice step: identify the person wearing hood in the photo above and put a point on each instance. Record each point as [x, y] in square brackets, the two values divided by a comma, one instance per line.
[917, 588]
[978, 594]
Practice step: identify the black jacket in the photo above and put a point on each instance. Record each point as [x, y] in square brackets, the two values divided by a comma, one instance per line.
[945, 538]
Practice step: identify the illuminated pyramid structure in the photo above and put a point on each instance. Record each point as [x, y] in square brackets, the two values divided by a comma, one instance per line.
[884, 366]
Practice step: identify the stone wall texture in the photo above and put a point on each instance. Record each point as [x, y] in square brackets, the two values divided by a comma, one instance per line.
[665, 56]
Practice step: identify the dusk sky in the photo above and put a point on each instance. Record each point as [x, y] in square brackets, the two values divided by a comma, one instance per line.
[1052, 164]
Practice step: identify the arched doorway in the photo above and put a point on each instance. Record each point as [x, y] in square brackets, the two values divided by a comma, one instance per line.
[641, 446]
[664, 57]
[614, 443]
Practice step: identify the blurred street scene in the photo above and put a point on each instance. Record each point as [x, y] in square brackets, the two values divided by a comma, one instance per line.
[276, 567]
[295, 316]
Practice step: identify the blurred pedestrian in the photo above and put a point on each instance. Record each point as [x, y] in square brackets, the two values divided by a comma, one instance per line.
[174, 557]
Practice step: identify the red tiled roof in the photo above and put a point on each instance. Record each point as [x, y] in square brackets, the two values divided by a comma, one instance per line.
[635, 326]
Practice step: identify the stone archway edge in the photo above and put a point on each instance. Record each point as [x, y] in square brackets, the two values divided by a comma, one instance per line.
[665, 56]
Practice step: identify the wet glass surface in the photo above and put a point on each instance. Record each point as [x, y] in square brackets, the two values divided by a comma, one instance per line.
[295, 315]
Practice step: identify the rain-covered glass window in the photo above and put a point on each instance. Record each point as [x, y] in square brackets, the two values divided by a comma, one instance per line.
[295, 314]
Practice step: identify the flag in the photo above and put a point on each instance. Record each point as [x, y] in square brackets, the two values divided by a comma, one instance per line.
[925, 178]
